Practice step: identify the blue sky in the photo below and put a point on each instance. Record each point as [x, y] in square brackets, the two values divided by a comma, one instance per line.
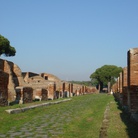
[69, 38]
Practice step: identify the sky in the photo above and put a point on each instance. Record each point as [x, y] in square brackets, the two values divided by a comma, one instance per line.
[69, 38]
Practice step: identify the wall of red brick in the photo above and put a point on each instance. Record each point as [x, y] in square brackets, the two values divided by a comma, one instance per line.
[132, 56]
[125, 87]
[4, 77]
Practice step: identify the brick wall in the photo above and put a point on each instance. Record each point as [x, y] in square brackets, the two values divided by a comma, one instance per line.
[51, 90]
[133, 79]
[125, 87]
[40, 93]
[4, 77]
[24, 95]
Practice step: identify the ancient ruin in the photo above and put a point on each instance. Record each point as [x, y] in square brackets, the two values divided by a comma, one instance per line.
[127, 90]
[25, 87]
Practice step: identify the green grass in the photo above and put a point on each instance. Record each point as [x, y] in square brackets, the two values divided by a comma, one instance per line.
[79, 118]
[121, 126]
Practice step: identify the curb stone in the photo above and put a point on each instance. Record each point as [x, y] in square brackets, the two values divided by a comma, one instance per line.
[19, 110]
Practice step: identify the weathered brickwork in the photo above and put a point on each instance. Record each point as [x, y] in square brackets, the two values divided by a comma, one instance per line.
[40, 93]
[28, 86]
[125, 87]
[133, 99]
[133, 79]
[24, 95]
[4, 77]
[129, 84]
[15, 77]
[1, 64]
[51, 90]
[133, 67]
[120, 83]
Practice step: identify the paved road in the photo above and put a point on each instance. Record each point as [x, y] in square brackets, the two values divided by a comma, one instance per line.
[44, 126]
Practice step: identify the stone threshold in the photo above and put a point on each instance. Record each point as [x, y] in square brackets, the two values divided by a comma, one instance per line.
[19, 110]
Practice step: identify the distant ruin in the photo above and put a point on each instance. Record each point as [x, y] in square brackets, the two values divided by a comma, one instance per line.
[25, 87]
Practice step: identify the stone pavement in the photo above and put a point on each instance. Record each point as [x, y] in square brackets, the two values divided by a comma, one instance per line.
[45, 126]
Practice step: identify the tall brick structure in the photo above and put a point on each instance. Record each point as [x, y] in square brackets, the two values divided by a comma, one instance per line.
[15, 77]
[125, 87]
[4, 78]
[133, 81]
[51, 90]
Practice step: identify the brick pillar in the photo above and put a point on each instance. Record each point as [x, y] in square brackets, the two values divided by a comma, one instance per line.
[133, 80]
[125, 88]
[120, 87]
[24, 94]
[51, 90]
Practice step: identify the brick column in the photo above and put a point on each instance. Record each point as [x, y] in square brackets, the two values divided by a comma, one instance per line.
[133, 80]
[125, 88]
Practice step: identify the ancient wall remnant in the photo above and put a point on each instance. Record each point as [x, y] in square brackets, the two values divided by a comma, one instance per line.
[4, 78]
[15, 77]
[50, 77]
[125, 87]
[24, 95]
[27, 75]
[40, 93]
[51, 90]
[133, 79]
